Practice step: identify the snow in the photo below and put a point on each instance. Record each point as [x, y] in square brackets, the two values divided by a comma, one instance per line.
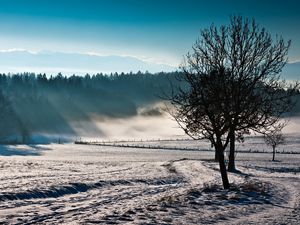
[86, 184]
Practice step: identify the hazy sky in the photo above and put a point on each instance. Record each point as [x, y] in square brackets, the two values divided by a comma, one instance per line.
[158, 30]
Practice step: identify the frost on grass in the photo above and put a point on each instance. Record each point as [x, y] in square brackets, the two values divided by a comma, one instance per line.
[105, 185]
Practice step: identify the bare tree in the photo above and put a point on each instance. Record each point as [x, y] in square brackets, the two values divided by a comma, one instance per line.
[233, 86]
[202, 111]
[273, 139]
[253, 56]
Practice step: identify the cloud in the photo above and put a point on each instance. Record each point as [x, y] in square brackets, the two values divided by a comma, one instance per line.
[17, 50]
[22, 60]
[294, 61]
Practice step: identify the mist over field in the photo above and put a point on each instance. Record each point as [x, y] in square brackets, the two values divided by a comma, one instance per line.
[42, 109]
[81, 106]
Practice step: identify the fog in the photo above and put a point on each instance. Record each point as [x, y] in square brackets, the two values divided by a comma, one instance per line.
[35, 108]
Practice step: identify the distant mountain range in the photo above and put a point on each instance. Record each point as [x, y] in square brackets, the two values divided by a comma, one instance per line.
[74, 63]
[48, 62]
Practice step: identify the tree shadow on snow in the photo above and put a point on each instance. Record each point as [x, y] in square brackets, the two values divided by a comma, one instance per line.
[26, 150]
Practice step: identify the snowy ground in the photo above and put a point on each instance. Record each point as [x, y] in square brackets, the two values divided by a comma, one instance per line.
[79, 184]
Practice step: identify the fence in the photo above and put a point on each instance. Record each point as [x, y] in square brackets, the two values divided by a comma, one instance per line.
[142, 146]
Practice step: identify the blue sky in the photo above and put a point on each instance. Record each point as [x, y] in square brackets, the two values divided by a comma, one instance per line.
[159, 31]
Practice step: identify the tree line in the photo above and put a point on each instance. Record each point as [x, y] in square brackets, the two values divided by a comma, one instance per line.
[34, 103]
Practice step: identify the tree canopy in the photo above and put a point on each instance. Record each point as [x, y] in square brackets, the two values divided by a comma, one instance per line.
[234, 85]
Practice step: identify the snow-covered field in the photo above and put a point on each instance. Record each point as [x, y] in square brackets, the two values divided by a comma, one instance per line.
[253, 143]
[86, 184]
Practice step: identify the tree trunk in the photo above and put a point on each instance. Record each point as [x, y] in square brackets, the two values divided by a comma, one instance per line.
[216, 153]
[273, 153]
[231, 163]
[216, 156]
[223, 170]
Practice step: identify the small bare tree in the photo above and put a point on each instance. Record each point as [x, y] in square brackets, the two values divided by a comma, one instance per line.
[273, 139]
